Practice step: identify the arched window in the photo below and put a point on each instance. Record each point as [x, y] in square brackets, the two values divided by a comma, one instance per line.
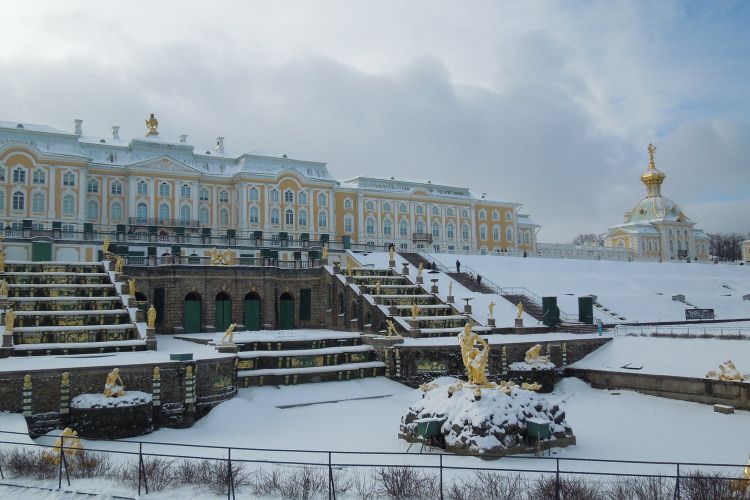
[142, 187]
[302, 218]
[19, 201]
[69, 179]
[92, 210]
[464, 213]
[254, 215]
[348, 224]
[116, 188]
[223, 196]
[370, 225]
[39, 177]
[403, 228]
[527, 238]
[2, 201]
[203, 194]
[254, 195]
[449, 212]
[274, 216]
[274, 195]
[288, 196]
[19, 175]
[302, 198]
[185, 191]
[289, 217]
[483, 232]
[348, 203]
[322, 218]
[92, 186]
[115, 212]
[186, 213]
[164, 212]
[203, 216]
[141, 212]
[370, 205]
[223, 217]
[495, 215]
[163, 190]
[420, 210]
[69, 206]
[509, 233]
[386, 207]
[387, 227]
[465, 232]
[403, 208]
[38, 203]
[496, 232]
[450, 230]
[436, 229]
[435, 211]
[508, 216]
[322, 199]
[420, 227]
[482, 214]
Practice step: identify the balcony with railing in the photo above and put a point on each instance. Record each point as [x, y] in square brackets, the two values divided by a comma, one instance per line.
[421, 237]
[144, 221]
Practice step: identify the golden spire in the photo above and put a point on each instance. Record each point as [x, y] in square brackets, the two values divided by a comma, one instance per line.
[652, 178]
[152, 123]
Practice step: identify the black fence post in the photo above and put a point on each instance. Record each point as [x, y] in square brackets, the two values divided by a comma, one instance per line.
[230, 486]
[331, 486]
[441, 476]
[142, 470]
[557, 479]
[60, 464]
[677, 484]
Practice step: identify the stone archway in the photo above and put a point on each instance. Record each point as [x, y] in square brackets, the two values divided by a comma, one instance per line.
[223, 308]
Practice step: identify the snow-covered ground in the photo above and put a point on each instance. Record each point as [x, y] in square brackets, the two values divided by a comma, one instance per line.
[640, 291]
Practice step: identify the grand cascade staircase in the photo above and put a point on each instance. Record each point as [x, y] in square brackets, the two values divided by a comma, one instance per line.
[67, 308]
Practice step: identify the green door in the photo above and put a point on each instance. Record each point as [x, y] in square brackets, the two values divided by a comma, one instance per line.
[286, 312]
[41, 251]
[223, 312]
[192, 312]
[252, 313]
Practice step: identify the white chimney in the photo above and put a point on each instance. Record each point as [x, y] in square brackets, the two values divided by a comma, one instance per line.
[78, 123]
[183, 138]
[220, 145]
[115, 131]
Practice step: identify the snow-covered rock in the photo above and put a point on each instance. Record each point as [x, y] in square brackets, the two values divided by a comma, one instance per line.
[491, 424]
[521, 366]
[131, 398]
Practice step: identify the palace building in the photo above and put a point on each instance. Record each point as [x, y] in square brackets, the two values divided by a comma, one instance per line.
[656, 228]
[70, 182]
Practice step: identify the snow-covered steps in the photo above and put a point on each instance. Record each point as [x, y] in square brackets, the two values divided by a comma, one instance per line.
[53, 267]
[292, 376]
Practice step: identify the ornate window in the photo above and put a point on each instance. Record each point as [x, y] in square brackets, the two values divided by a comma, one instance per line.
[323, 218]
[508, 216]
[302, 217]
[449, 212]
[496, 232]
[116, 188]
[39, 177]
[19, 201]
[435, 211]
[223, 196]
[387, 227]
[348, 224]
[185, 191]
[254, 215]
[302, 198]
[224, 217]
[370, 225]
[495, 215]
[527, 238]
[288, 196]
[322, 199]
[142, 187]
[274, 195]
[483, 232]
[92, 210]
[289, 217]
[254, 195]
[141, 212]
[164, 212]
[186, 214]
[509, 233]
[403, 228]
[420, 227]
[69, 206]
[2, 201]
[38, 203]
[92, 186]
[386, 207]
[203, 194]
[465, 232]
[348, 203]
[163, 190]
[450, 231]
[19, 175]
[275, 216]
[370, 205]
[203, 216]
[403, 208]
[464, 213]
[435, 230]
[115, 212]
[69, 179]
[482, 214]
[420, 210]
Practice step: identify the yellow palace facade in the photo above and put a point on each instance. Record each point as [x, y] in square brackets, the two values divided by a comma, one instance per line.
[72, 182]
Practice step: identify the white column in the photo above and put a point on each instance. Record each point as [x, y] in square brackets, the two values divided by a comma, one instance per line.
[51, 190]
[361, 217]
[82, 194]
[243, 206]
[214, 207]
[154, 200]
[130, 193]
[105, 200]
[474, 245]
[196, 192]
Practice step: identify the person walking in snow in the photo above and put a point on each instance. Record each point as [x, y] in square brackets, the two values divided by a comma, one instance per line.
[458, 266]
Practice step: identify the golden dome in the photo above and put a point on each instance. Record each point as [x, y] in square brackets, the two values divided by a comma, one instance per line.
[652, 178]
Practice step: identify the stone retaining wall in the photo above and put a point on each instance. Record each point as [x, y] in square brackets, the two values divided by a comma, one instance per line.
[699, 390]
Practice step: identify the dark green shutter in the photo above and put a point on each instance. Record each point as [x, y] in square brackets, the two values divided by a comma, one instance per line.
[305, 303]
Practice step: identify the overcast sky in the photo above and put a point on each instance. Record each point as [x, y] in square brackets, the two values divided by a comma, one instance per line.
[550, 104]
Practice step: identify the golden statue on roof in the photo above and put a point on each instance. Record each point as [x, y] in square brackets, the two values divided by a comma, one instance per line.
[152, 123]
[651, 153]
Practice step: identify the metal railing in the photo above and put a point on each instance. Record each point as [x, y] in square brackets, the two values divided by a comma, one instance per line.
[445, 467]
[730, 332]
[192, 260]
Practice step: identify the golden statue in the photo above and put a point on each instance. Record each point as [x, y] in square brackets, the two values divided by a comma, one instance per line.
[65, 379]
[534, 386]
[419, 270]
[131, 287]
[727, 371]
[377, 288]
[519, 311]
[227, 257]
[3, 288]
[506, 386]
[391, 328]
[70, 443]
[27, 381]
[105, 247]
[156, 373]
[10, 319]
[651, 153]
[391, 254]
[325, 251]
[475, 359]
[491, 307]
[114, 387]
[533, 355]
[228, 337]
[189, 371]
[414, 311]
[152, 123]
[742, 485]
[215, 256]
[151, 317]
[119, 264]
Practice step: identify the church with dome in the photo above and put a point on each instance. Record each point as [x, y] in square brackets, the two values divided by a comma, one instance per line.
[657, 228]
